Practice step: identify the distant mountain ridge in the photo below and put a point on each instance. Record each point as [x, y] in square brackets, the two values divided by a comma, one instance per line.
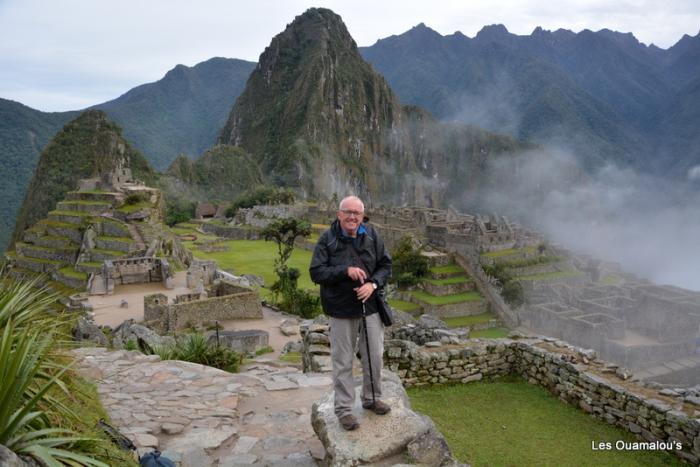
[608, 95]
[602, 94]
[180, 114]
[183, 112]
[317, 118]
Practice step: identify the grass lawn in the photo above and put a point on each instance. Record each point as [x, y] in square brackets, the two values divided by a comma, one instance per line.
[446, 299]
[449, 280]
[448, 269]
[512, 423]
[257, 257]
[550, 275]
[291, 357]
[403, 305]
[493, 333]
[462, 321]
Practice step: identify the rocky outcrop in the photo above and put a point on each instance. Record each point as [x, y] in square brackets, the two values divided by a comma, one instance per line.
[139, 335]
[86, 330]
[379, 438]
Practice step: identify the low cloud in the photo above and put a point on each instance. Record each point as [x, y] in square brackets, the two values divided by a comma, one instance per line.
[648, 225]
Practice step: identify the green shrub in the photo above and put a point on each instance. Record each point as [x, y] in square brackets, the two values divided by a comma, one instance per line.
[408, 265]
[178, 210]
[194, 348]
[511, 289]
[136, 198]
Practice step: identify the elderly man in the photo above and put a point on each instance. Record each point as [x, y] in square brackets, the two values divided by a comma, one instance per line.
[350, 263]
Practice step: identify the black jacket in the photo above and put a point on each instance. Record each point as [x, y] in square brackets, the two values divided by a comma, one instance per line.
[329, 265]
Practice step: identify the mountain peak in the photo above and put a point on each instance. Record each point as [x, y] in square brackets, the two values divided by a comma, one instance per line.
[493, 32]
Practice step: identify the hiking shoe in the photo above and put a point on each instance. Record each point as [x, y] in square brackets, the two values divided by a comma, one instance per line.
[349, 422]
[378, 407]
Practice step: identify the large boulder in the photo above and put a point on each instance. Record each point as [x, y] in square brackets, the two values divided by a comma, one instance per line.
[379, 436]
[130, 331]
[86, 330]
[10, 459]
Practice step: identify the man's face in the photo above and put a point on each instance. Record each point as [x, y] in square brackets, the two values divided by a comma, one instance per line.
[350, 216]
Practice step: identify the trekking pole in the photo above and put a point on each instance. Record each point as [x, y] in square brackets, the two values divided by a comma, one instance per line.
[369, 357]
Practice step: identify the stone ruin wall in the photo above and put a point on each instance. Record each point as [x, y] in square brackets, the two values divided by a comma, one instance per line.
[237, 303]
[639, 410]
[574, 375]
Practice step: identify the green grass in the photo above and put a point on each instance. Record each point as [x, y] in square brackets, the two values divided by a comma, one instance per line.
[446, 299]
[264, 350]
[551, 275]
[509, 252]
[71, 213]
[449, 280]
[70, 272]
[403, 305]
[512, 423]
[57, 224]
[493, 333]
[108, 238]
[448, 269]
[257, 257]
[462, 321]
[291, 357]
[109, 252]
[42, 260]
[90, 192]
[88, 203]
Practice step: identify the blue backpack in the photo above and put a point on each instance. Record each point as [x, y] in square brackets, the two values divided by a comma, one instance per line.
[153, 459]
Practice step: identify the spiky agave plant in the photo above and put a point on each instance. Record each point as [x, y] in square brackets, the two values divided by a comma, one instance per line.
[29, 369]
[24, 426]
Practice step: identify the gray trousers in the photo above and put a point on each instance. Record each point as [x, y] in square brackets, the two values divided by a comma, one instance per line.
[343, 337]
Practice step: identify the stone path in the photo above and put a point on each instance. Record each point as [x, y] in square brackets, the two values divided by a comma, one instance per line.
[201, 416]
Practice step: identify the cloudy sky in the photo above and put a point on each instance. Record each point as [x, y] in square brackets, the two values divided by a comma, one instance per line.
[69, 54]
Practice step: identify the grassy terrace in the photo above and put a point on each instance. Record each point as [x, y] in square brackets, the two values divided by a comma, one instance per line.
[108, 252]
[57, 224]
[88, 203]
[492, 333]
[403, 305]
[449, 280]
[463, 321]
[115, 239]
[446, 299]
[551, 275]
[511, 423]
[509, 252]
[448, 269]
[71, 213]
[70, 272]
[130, 208]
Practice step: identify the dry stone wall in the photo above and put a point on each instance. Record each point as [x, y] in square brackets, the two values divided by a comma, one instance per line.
[570, 374]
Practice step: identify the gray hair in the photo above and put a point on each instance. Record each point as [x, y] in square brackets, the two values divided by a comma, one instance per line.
[353, 198]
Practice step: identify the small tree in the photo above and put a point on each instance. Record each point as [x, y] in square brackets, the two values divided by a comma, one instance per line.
[284, 233]
[408, 264]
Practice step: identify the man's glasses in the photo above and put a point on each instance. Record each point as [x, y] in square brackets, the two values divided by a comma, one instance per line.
[349, 213]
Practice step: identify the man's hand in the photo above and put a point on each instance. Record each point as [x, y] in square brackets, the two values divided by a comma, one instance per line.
[364, 291]
[357, 274]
